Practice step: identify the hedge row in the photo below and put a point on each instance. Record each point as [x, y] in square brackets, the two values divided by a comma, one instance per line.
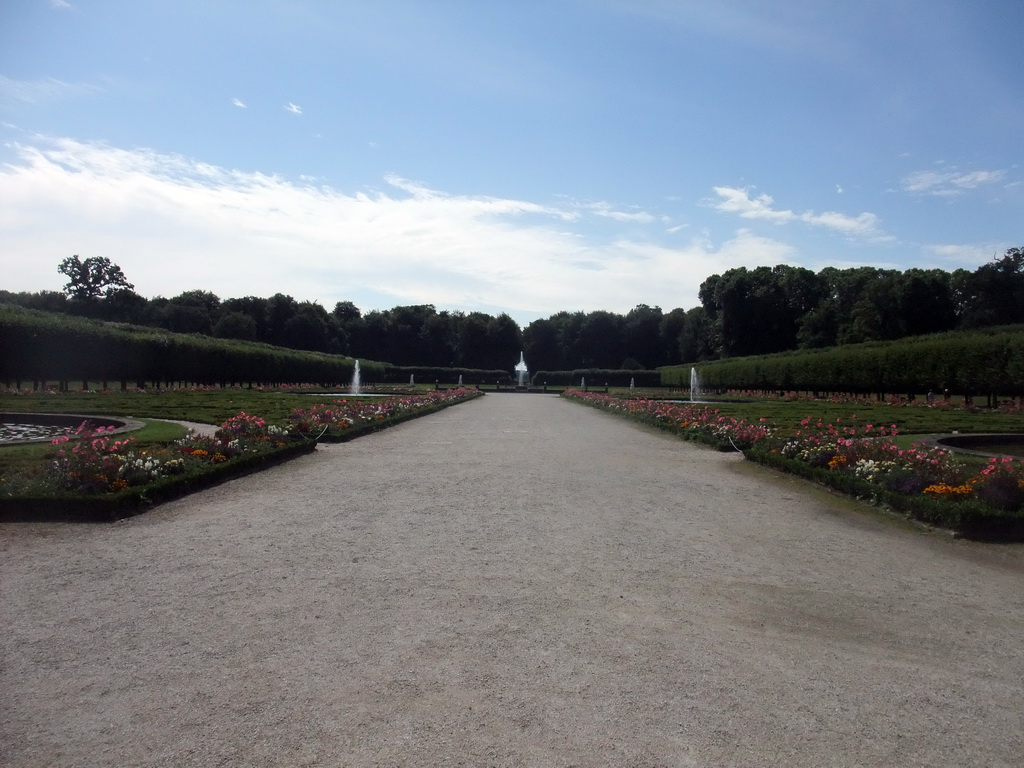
[970, 519]
[598, 377]
[38, 346]
[399, 374]
[91, 508]
[985, 362]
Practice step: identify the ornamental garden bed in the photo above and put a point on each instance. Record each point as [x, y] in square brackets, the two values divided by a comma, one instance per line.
[97, 476]
[976, 497]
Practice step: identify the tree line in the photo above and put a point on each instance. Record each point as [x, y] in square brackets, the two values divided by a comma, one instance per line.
[742, 312]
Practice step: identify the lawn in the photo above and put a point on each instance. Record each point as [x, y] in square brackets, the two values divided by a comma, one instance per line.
[917, 418]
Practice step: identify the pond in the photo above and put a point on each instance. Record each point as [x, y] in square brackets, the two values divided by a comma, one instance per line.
[21, 428]
[986, 445]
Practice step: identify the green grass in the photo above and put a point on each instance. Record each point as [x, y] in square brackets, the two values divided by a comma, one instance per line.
[31, 457]
[917, 419]
[213, 406]
[208, 406]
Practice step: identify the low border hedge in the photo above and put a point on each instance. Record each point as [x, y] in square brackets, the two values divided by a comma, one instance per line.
[133, 501]
[970, 518]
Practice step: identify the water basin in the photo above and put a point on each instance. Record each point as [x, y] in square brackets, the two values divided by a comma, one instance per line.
[23, 428]
[997, 444]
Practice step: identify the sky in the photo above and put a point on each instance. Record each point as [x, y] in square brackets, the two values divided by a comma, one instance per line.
[519, 156]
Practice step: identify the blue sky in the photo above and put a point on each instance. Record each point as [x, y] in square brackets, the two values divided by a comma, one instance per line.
[524, 156]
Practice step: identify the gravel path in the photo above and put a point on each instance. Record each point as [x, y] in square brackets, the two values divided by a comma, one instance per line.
[516, 581]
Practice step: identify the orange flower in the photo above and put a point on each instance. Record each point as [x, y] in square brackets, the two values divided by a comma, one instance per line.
[946, 491]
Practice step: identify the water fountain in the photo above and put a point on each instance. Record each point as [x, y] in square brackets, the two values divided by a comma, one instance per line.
[694, 386]
[521, 371]
[632, 385]
[412, 378]
[356, 381]
[460, 380]
[583, 383]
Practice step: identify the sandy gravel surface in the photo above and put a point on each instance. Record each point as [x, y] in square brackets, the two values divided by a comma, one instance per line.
[517, 581]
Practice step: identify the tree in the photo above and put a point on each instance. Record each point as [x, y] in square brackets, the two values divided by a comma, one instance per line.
[438, 340]
[92, 278]
[927, 301]
[473, 344]
[123, 305]
[700, 338]
[602, 341]
[642, 327]
[309, 328]
[540, 346]
[193, 311]
[504, 343]
[253, 306]
[280, 308]
[994, 293]
[235, 325]
[346, 312]
[670, 330]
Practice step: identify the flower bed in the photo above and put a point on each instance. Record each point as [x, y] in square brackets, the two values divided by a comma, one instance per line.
[344, 419]
[698, 422]
[97, 477]
[984, 501]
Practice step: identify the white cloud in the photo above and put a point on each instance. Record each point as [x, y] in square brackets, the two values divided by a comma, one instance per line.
[61, 5]
[965, 255]
[605, 210]
[43, 90]
[737, 200]
[175, 224]
[239, 103]
[949, 183]
[295, 109]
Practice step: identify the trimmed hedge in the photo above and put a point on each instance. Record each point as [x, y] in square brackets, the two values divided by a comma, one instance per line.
[399, 374]
[598, 377]
[39, 346]
[971, 519]
[986, 362]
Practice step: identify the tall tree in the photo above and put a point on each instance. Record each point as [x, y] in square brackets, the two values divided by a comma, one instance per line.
[994, 293]
[669, 331]
[473, 340]
[280, 308]
[193, 311]
[926, 301]
[540, 346]
[91, 278]
[642, 335]
[504, 343]
[699, 339]
[253, 306]
[602, 340]
[309, 328]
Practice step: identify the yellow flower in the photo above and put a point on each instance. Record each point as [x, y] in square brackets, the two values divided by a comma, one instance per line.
[946, 491]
